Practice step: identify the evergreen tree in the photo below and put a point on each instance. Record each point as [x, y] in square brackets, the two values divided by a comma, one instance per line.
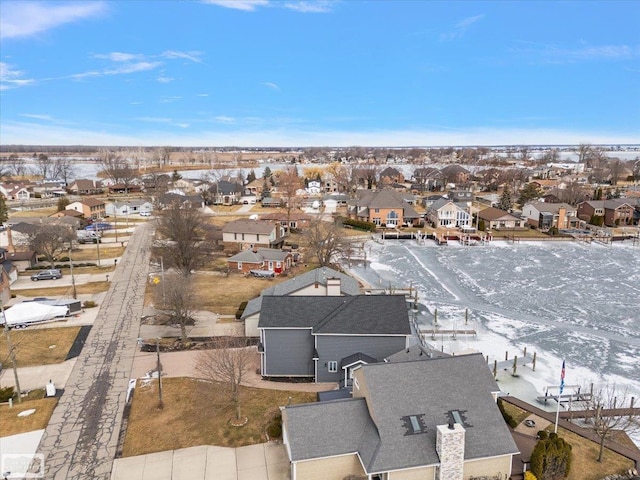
[551, 458]
[62, 203]
[4, 211]
[505, 201]
[251, 176]
[266, 173]
[528, 193]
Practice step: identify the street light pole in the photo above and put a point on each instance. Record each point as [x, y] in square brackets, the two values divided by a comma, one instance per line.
[159, 368]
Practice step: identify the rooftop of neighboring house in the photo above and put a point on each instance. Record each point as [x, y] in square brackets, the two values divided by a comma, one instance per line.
[610, 204]
[455, 389]
[348, 286]
[248, 226]
[495, 214]
[67, 213]
[552, 207]
[438, 204]
[387, 199]
[259, 255]
[353, 315]
[226, 188]
[86, 184]
[282, 216]
[90, 202]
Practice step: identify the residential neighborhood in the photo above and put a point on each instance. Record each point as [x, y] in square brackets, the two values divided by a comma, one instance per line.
[269, 289]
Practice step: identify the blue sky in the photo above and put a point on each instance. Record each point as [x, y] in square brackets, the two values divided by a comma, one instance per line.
[319, 73]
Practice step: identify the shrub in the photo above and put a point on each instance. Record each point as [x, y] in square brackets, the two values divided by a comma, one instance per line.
[551, 458]
[529, 476]
[88, 304]
[359, 224]
[6, 393]
[240, 310]
[274, 429]
[507, 417]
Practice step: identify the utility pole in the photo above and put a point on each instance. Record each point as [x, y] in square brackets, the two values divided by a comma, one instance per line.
[73, 279]
[12, 353]
[99, 237]
[164, 298]
[159, 368]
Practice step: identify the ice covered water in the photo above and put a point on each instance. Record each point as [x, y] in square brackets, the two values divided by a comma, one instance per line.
[562, 300]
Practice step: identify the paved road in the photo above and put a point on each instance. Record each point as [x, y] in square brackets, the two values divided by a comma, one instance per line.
[81, 439]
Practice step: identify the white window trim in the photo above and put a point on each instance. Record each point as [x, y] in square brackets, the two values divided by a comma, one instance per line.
[332, 366]
[239, 265]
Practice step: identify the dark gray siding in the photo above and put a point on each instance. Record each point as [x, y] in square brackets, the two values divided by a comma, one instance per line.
[336, 347]
[288, 352]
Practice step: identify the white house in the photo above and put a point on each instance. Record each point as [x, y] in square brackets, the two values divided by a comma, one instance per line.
[445, 213]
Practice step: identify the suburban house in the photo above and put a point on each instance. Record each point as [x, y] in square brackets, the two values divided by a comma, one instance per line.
[133, 187]
[390, 176]
[246, 233]
[435, 419]
[445, 213]
[462, 197]
[131, 207]
[319, 282]
[22, 260]
[8, 266]
[183, 201]
[89, 207]
[313, 187]
[545, 215]
[296, 220]
[225, 193]
[386, 208]
[615, 212]
[255, 187]
[67, 213]
[455, 174]
[15, 191]
[318, 337]
[84, 186]
[427, 179]
[500, 219]
[271, 259]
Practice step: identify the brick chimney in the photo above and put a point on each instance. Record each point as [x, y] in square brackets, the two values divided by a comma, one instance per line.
[333, 287]
[450, 449]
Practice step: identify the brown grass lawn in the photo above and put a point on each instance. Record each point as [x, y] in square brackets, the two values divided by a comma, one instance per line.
[91, 254]
[193, 416]
[585, 453]
[517, 413]
[12, 424]
[32, 346]
[93, 287]
[224, 295]
[40, 212]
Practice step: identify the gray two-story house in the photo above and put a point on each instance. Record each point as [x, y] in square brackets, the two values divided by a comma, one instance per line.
[326, 338]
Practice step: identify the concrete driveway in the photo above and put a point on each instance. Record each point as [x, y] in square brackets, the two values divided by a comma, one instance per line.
[265, 461]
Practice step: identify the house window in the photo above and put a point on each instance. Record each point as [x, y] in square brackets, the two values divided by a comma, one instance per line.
[376, 210]
[243, 236]
[257, 237]
[332, 367]
[278, 264]
[239, 265]
[235, 236]
[376, 220]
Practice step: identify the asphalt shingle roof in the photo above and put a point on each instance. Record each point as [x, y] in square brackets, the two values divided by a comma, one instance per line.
[244, 225]
[356, 315]
[431, 388]
[259, 256]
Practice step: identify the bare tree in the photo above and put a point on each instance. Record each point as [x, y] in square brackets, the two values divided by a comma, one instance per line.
[178, 297]
[610, 409]
[324, 240]
[616, 167]
[226, 363]
[65, 170]
[43, 166]
[187, 247]
[50, 240]
[572, 194]
[16, 166]
[117, 168]
[289, 182]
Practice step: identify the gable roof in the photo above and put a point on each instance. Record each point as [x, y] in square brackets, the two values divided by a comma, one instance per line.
[356, 315]
[348, 286]
[495, 214]
[244, 225]
[260, 255]
[551, 207]
[386, 198]
[430, 389]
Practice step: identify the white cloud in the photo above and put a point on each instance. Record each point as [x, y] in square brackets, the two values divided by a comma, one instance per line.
[271, 85]
[202, 95]
[37, 116]
[132, 68]
[225, 119]
[163, 79]
[135, 103]
[246, 5]
[318, 6]
[11, 78]
[460, 28]
[119, 56]
[302, 6]
[25, 132]
[193, 56]
[169, 99]
[548, 53]
[182, 125]
[24, 19]
[154, 119]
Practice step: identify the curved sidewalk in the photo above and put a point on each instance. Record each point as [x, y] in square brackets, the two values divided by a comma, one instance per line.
[81, 439]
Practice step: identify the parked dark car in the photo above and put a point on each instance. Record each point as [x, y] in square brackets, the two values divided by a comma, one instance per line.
[52, 274]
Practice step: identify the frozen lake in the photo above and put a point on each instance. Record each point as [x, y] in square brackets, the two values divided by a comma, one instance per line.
[562, 300]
